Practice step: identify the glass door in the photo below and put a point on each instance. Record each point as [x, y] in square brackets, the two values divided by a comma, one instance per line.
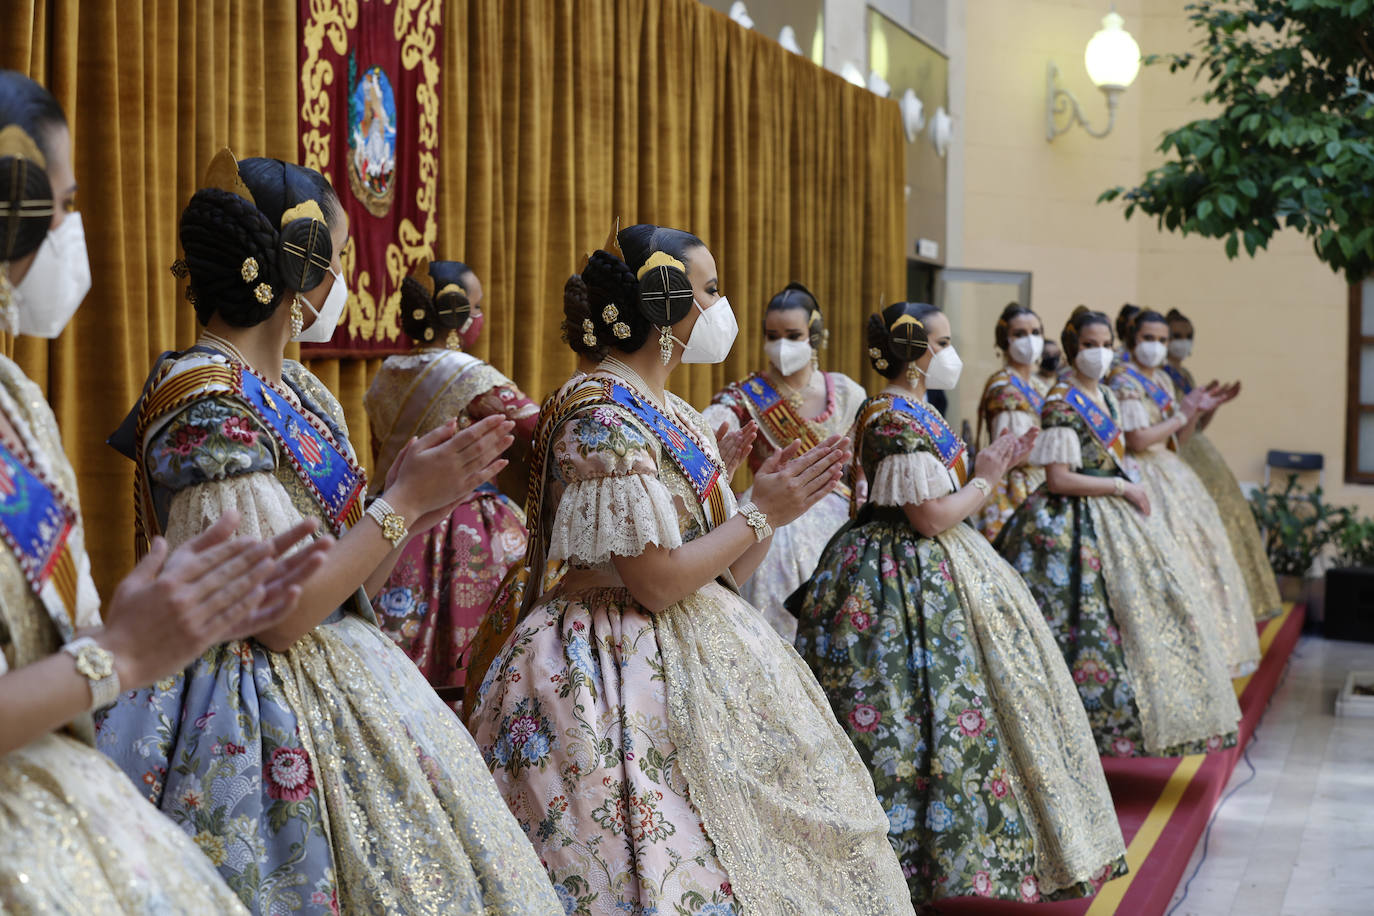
[973, 300]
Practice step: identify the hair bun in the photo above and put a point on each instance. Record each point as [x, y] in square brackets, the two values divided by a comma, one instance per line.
[907, 338]
[26, 213]
[425, 312]
[665, 293]
[304, 252]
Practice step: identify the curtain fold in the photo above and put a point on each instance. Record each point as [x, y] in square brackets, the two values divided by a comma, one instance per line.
[556, 117]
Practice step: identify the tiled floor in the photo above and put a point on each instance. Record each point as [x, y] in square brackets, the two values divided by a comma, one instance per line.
[1298, 838]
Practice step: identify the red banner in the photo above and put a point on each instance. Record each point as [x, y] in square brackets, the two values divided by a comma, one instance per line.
[369, 122]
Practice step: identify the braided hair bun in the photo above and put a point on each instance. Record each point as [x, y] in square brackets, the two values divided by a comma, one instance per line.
[579, 330]
[614, 307]
[1081, 318]
[658, 257]
[1123, 319]
[231, 252]
[435, 303]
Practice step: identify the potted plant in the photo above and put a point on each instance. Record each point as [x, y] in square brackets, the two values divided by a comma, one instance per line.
[1298, 525]
[1350, 584]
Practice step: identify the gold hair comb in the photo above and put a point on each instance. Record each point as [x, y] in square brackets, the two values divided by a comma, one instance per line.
[223, 173]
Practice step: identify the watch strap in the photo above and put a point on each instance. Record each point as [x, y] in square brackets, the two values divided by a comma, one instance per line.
[96, 664]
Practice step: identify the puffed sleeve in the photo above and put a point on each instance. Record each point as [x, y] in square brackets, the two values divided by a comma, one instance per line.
[1017, 422]
[728, 408]
[213, 456]
[908, 472]
[613, 503]
[1058, 442]
[509, 401]
[1131, 397]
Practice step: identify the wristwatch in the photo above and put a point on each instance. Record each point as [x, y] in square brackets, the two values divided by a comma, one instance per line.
[394, 527]
[96, 665]
[757, 520]
[982, 486]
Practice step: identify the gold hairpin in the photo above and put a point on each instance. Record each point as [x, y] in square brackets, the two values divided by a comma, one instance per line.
[15, 141]
[306, 209]
[223, 173]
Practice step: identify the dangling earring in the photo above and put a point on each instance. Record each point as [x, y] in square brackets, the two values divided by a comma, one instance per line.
[815, 361]
[453, 341]
[913, 372]
[297, 317]
[9, 309]
[665, 344]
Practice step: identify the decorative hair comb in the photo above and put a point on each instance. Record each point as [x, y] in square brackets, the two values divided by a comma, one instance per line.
[223, 173]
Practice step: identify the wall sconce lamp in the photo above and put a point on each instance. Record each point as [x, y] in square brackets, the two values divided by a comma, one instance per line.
[1113, 60]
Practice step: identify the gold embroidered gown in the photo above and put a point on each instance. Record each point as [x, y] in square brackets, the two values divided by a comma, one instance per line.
[1010, 405]
[330, 776]
[797, 546]
[682, 761]
[1182, 503]
[75, 836]
[1247, 545]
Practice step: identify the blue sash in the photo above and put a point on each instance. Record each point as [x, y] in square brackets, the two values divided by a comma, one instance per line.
[34, 521]
[324, 469]
[1099, 422]
[1180, 380]
[1036, 399]
[948, 446]
[1156, 392]
[700, 469]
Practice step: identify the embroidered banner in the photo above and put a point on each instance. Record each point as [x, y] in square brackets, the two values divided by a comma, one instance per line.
[776, 415]
[369, 121]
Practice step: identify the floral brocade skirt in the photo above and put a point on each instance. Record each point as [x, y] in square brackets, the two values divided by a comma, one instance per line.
[682, 762]
[327, 778]
[1011, 491]
[1246, 544]
[791, 559]
[936, 659]
[443, 584]
[1181, 503]
[76, 838]
[1127, 613]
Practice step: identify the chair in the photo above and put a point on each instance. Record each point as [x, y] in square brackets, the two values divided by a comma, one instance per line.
[1295, 462]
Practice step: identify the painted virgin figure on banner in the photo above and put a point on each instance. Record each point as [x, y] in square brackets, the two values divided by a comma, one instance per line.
[443, 583]
[791, 401]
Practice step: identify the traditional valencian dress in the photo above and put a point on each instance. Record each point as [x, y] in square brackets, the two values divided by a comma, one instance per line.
[681, 761]
[442, 584]
[937, 661]
[1182, 503]
[1246, 544]
[328, 776]
[1127, 609]
[796, 546]
[75, 837]
[1010, 404]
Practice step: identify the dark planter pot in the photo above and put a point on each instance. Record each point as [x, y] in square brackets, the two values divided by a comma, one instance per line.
[1350, 603]
[1291, 588]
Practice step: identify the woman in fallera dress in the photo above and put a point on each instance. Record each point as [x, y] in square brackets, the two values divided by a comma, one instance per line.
[937, 661]
[313, 760]
[1206, 461]
[75, 837]
[1125, 605]
[444, 582]
[1011, 402]
[791, 400]
[662, 746]
[1156, 421]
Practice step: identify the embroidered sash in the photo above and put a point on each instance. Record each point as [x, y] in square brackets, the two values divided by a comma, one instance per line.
[1034, 398]
[1098, 421]
[332, 478]
[1163, 400]
[950, 449]
[1182, 382]
[776, 415]
[36, 524]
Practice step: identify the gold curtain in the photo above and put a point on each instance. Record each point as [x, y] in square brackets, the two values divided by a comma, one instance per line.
[556, 117]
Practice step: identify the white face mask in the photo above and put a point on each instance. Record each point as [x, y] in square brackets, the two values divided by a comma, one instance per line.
[713, 335]
[1025, 351]
[1150, 353]
[326, 319]
[943, 372]
[1181, 348]
[59, 278]
[788, 355]
[1094, 362]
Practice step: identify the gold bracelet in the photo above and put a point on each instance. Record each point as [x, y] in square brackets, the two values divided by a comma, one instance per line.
[1118, 486]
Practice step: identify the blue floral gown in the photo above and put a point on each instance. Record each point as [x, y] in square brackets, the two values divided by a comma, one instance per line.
[1128, 612]
[938, 664]
[75, 837]
[328, 777]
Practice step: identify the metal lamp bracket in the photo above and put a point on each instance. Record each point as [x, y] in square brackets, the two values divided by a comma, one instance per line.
[1059, 101]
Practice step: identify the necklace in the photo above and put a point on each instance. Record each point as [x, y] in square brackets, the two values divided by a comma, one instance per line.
[794, 395]
[219, 343]
[616, 367]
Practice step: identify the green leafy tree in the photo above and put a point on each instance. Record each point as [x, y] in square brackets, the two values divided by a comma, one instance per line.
[1293, 142]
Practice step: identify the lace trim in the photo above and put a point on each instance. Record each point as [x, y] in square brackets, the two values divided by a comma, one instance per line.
[263, 505]
[613, 516]
[1134, 415]
[909, 480]
[1018, 421]
[1057, 445]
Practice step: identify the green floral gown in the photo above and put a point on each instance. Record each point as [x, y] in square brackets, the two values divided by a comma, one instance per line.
[1128, 612]
[937, 662]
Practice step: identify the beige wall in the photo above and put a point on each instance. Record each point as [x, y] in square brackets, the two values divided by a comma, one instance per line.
[1277, 322]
